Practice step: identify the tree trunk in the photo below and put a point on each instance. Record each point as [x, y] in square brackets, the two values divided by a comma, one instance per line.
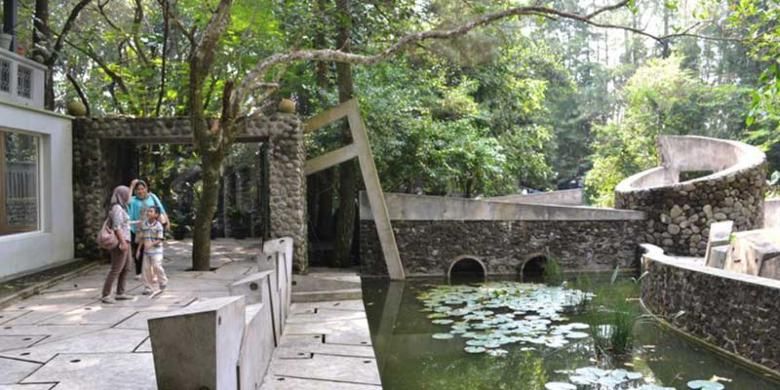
[345, 220]
[207, 206]
[41, 43]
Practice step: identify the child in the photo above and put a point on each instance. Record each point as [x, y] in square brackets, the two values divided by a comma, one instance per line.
[152, 245]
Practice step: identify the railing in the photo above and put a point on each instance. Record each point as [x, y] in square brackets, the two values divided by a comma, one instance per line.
[21, 80]
[21, 180]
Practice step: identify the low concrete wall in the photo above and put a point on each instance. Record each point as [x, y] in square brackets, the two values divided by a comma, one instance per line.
[432, 232]
[408, 207]
[218, 343]
[679, 213]
[737, 313]
[571, 197]
[772, 213]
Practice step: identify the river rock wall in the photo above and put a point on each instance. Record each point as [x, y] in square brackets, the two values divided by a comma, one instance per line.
[679, 213]
[428, 248]
[735, 312]
[104, 153]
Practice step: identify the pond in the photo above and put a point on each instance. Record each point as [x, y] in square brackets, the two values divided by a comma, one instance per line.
[588, 333]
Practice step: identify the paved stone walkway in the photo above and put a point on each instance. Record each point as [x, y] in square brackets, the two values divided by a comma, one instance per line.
[326, 345]
[65, 338]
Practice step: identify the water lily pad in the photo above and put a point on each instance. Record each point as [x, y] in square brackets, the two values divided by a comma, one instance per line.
[497, 352]
[474, 349]
[705, 385]
[576, 335]
[442, 321]
[442, 336]
[559, 386]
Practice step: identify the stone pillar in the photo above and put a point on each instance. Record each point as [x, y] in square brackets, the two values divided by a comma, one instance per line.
[287, 185]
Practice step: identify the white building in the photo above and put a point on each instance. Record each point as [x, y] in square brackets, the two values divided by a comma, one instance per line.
[36, 191]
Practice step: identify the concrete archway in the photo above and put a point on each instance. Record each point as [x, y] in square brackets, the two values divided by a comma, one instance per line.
[533, 267]
[467, 268]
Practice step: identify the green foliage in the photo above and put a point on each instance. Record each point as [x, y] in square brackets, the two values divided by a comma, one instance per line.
[553, 273]
[612, 322]
[661, 98]
[759, 21]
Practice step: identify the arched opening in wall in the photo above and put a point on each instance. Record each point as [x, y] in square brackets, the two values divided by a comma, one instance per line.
[467, 269]
[690, 175]
[533, 269]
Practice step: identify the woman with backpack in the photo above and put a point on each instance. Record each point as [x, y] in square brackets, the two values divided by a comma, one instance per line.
[119, 222]
[142, 200]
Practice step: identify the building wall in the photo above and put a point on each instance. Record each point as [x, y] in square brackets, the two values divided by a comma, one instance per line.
[53, 243]
[735, 312]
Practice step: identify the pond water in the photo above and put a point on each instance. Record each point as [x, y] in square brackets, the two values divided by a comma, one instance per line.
[510, 335]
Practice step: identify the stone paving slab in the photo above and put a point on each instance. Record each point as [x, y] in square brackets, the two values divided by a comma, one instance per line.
[102, 341]
[64, 338]
[8, 315]
[41, 386]
[289, 383]
[91, 314]
[357, 370]
[12, 370]
[79, 371]
[326, 315]
[326, 345]
[145, 346]
[18, 341]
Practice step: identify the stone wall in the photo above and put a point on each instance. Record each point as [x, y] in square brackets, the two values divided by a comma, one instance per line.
[104, 149]
[427, 248]
[735, 312]
[679, 213]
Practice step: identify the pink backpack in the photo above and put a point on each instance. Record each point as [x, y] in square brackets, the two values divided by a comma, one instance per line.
[106, 238]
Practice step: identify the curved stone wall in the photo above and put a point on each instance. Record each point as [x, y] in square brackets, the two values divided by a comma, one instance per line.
[737, 313]
[679, 213]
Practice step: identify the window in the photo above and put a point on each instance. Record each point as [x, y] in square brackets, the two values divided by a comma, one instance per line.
[24, 82]
[5, 76]
[19, 189]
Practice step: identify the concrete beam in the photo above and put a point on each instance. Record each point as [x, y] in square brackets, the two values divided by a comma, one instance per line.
[376, 197]
[327, 160]
[360, 147]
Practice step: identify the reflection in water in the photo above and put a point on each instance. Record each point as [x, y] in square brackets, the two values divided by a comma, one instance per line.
[409, 357]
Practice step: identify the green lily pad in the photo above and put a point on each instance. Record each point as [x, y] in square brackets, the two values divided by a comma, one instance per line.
[559, 386]
[442, 336]
[705, 385]
[474, 349]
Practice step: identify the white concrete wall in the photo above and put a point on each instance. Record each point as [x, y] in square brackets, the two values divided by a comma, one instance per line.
[53, 243]
[682, 153]
[407, 207]
[37, 80]
[772, 213]
[572, 197]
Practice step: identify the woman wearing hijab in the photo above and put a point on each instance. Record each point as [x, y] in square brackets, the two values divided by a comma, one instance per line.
[119, 222]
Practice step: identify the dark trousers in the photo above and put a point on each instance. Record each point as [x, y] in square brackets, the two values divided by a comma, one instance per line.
[139, 261]
[120, 265]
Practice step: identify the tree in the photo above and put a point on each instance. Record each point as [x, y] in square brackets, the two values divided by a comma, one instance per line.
[661, 98]
[214, 137]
